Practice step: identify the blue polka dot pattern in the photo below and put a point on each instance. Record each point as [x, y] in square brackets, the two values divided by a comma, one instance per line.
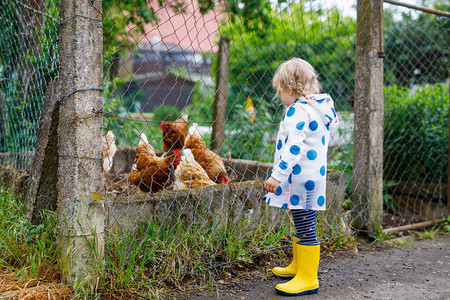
[295, 200]
[311, 154]
[295, 149]
[303, 160]
[321, 201]
[313, 125]
[334, 112]
[300, 125]
[278, 191]
[322, 171]
[296, 169]
[309, 185]
[283, 165]
[290, 112]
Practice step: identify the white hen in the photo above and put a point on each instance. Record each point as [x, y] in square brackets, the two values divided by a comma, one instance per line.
[109, 149]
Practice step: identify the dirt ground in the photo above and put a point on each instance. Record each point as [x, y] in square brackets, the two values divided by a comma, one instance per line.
[404, 268]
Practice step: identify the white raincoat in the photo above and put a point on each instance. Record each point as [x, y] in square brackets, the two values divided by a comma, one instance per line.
[300, 162]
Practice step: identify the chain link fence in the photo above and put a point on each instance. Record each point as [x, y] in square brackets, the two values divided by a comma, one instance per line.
[28, 62]
[416, 115]
[174, 69]
[209, 66]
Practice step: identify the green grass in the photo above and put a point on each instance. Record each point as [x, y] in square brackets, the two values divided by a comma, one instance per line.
[156, 257]
[27, 250]
[148, 259]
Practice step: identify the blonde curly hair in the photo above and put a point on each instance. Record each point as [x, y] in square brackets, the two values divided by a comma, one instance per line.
[299, 75]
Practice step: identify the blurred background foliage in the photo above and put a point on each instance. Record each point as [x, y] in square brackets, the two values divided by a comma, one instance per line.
[416, 133]
[262, 34]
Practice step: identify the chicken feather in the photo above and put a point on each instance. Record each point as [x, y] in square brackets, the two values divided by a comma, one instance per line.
[208, 160]
[150, 172]
[174, 133]
[109, 149]
[189, 174]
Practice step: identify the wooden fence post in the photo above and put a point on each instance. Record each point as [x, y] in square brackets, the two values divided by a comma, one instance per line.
[80, 227]
[220, 101]
[367, 179]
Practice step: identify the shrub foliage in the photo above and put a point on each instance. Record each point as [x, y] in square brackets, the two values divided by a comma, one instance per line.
[416, 133]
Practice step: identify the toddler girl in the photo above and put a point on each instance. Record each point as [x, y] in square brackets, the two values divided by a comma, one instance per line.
[298, 179]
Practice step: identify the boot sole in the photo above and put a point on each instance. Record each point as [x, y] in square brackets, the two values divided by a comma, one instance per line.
[282, 277]
[314, 291]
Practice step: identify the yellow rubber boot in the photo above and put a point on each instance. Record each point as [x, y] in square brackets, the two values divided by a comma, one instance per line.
[305, 280]
[290, 271]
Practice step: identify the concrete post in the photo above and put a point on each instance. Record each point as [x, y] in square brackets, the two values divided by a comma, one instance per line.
[80, 225]
[41, 193]
[220, 101]
[367, 179]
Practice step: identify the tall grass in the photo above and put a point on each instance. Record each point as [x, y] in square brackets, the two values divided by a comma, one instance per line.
[147, 256]
[146, 259]
[27, 250]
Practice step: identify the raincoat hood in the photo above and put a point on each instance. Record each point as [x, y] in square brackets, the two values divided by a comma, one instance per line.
[325, 106]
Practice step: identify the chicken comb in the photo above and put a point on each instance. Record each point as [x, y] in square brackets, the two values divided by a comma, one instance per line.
[163, 125]
[177, 158]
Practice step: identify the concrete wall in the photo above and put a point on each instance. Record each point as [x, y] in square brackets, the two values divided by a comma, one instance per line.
[239, 204]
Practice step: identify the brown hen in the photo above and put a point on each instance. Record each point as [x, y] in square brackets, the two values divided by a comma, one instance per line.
[208, 160]
[150, 172]
[174, 133]
[189, 174]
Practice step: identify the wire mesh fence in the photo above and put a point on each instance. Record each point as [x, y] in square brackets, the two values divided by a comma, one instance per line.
[171, 72]
[29, 54]
[162, 70]
[416, 116]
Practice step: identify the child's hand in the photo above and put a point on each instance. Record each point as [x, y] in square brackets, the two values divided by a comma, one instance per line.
[271, 185]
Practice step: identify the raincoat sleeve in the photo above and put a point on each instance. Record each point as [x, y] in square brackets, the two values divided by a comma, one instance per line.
[290, 144]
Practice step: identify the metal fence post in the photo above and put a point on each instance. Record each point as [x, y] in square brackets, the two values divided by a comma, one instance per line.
[80, 211]
[220, 101]
[369, 114]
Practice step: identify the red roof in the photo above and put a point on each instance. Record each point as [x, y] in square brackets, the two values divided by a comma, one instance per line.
[190, 30]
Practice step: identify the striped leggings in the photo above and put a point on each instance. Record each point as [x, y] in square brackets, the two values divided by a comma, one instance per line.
[305, 226]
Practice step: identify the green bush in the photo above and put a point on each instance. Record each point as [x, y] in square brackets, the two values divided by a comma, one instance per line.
[201, 109]
[128, 126]
[166, 113]
[416, 133]
[253, 140]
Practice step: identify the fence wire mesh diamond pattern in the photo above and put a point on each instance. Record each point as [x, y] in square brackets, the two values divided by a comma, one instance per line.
[190, 120]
